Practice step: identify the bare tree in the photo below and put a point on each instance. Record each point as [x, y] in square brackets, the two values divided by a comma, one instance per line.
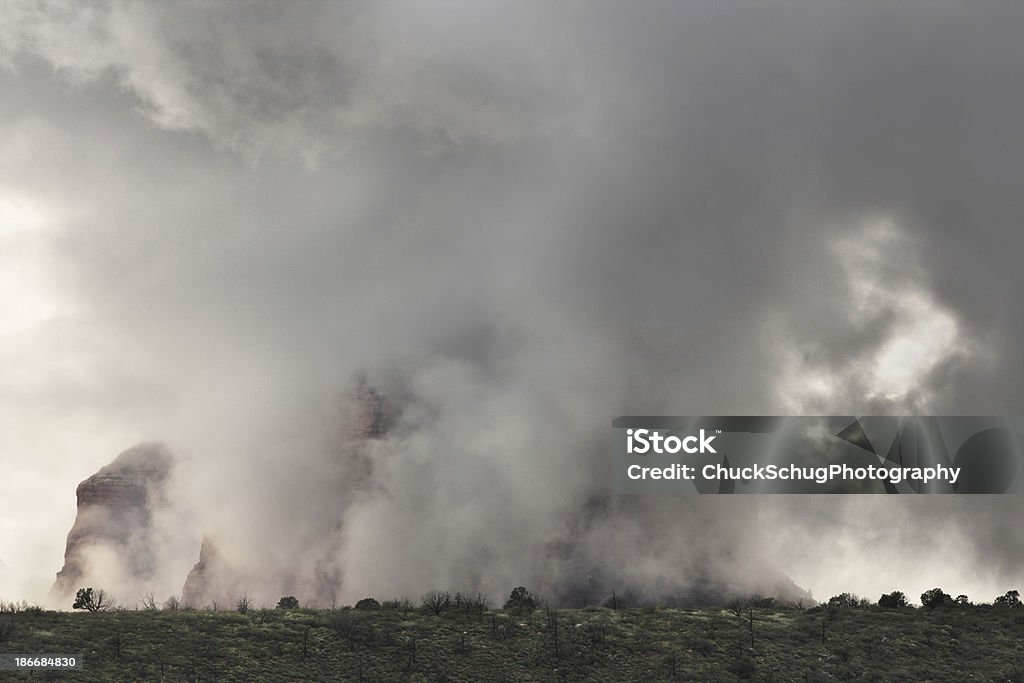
[436, 601]
[172, 604]
[149, 603]
[93, 600]
[243, 604]
[737, 606]
[471, 604]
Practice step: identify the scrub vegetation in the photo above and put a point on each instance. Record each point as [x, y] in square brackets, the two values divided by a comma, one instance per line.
[847, 638]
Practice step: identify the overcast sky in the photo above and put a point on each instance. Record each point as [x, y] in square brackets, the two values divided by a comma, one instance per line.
[540, 216]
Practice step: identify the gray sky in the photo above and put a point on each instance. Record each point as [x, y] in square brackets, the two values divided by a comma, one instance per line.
[539, 216]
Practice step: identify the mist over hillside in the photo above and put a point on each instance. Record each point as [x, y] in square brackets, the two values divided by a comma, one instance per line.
[516, 222]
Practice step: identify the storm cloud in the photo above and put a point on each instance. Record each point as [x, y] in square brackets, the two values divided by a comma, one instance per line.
[526, 219]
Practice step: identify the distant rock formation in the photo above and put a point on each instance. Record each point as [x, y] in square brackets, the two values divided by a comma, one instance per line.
[114, 517]
[365, 415]
[214, 583]
[202, 586]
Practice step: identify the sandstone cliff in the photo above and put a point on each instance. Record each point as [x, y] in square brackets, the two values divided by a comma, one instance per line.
[365, 415]
[114, 520]
[203, 586]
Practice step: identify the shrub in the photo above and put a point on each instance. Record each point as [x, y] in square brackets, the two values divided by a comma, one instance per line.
[1008, 599]
[288, 602]
[243, 604]
[349, 627]
[471, 604]
[737, 606]
[149, 603]
[520, 601]
[893, 600]
[848, 601]
[936, 597]
[17, 607]
[367, 603]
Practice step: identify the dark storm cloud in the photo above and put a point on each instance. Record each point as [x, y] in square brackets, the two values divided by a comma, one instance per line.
[540, 217]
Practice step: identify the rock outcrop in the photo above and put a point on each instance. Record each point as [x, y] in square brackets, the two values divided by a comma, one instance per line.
[365, 415]
[202, 586]
[114, 520]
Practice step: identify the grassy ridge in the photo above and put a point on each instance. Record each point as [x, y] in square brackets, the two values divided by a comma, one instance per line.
[594, 644]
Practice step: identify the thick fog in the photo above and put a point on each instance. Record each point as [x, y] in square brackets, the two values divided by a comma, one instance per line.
[518, 220]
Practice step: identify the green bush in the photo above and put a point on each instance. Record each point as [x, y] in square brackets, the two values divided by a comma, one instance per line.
[1008, 599]
[288, 602]
[936, 597]
[520, 601]
[893, 600]
[848, 600]
[367, 603]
